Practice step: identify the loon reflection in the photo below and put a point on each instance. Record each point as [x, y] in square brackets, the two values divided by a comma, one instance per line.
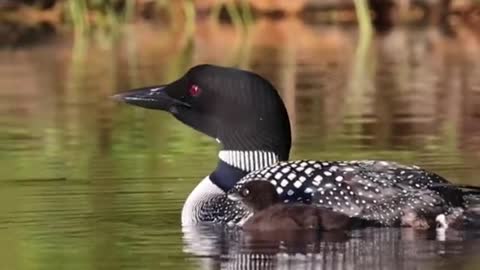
[213, 247]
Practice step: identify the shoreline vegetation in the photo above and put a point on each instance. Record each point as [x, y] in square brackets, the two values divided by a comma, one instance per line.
[26, 21]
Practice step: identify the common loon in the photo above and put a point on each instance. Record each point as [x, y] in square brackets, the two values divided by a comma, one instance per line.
[245, 114]
[269, 213]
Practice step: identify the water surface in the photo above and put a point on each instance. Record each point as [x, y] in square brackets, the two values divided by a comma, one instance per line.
[89, 184]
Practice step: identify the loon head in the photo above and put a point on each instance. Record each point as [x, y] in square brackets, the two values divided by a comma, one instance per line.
[255, 195]
[240, 109]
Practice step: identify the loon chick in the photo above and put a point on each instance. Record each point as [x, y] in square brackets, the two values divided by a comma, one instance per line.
[269, 213]
[245, 114]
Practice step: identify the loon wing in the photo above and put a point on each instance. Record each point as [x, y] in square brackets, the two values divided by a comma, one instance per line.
[373, 190]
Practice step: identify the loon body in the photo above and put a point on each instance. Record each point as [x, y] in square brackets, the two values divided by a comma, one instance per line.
[387, 193]
[245, 114]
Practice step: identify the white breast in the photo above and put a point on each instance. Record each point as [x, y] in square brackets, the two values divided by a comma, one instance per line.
[200, 194]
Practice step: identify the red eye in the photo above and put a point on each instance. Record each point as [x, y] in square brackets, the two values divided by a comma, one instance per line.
[194, 90]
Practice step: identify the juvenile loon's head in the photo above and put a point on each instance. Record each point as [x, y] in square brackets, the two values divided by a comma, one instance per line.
[240, 109]
[256, 195]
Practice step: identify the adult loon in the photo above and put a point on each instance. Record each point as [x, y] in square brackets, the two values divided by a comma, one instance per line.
[245, 114]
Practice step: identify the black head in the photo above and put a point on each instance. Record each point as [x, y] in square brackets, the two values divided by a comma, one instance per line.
[256, 195]
[237, 107]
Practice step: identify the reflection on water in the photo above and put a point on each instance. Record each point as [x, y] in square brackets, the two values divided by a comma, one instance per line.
[86, 183]
[374, 248]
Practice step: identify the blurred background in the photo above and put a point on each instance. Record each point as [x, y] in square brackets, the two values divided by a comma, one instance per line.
[86, 183]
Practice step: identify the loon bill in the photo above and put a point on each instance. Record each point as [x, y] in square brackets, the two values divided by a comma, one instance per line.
[244, 113]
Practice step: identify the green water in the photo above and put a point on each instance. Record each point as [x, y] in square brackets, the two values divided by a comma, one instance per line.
[86, 183]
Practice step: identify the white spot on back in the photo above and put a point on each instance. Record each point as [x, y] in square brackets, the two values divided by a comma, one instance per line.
[317, 180]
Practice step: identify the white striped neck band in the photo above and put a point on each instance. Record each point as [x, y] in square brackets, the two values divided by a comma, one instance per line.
[248, 160]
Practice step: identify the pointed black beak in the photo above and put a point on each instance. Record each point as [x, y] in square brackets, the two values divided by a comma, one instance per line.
[153, 97]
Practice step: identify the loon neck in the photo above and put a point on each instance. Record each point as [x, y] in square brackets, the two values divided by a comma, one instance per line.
[264, 139]
[248, 160]
[235, 164]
